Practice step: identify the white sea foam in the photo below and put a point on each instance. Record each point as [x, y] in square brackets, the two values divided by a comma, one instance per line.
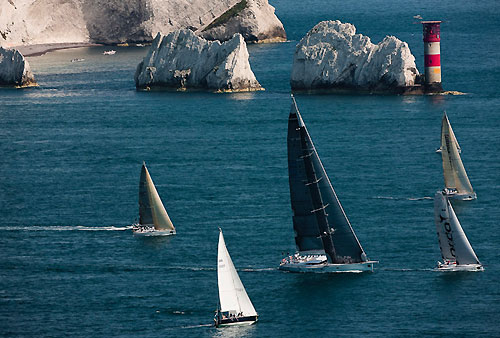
[404, 198]
[197, 326]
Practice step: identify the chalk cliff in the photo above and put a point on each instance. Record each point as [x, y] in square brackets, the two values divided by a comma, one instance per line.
[14, 69]
[254, 19]
[24, 22]
[181, 60]
[332, 56]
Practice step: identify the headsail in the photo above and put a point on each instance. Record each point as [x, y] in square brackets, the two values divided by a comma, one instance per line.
[151, 209]
[454, 173]
[455, 246]
[319, 220]
[232, 294]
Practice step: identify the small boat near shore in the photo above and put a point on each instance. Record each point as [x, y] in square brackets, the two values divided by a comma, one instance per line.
[109, 52]
[324, 236]
[457, 184]
[456, 251]
[235, 307]
[153, 218]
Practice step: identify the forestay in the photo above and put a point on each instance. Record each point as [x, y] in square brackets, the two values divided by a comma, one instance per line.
[455, 246]
[319, 220]
[232, 294]
[151, 209]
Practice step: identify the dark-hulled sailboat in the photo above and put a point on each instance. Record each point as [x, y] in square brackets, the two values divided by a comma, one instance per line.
[153, 218]
[324, 236]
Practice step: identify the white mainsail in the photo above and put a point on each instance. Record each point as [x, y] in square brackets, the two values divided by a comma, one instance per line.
[232, 294]
[151, 208]
[454, 173]
[455, 246]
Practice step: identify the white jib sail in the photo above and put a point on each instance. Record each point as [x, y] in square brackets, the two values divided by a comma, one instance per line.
[452, 240]
[161, 220]
[454, 173]
[232, 294]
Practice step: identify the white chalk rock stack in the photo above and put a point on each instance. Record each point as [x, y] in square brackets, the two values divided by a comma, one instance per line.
[14, 69]
[332, 56]
[181, 60]
[254, 19]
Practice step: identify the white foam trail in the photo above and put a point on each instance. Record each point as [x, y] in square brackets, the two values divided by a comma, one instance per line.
[404, 198]
[196, 326]
[405, 270]
[65, 228]
[258, 269]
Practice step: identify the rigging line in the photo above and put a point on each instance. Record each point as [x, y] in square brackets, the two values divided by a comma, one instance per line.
[321, 208]
[316, 181]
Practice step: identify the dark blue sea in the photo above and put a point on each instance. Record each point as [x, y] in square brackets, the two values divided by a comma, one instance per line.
[71, 153]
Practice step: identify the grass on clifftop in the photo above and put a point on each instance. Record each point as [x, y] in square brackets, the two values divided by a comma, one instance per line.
[230, 13]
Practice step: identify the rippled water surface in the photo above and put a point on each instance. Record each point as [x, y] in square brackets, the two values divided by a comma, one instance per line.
[71, 156]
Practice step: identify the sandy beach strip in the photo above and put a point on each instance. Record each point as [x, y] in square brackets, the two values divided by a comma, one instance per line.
[40, 49]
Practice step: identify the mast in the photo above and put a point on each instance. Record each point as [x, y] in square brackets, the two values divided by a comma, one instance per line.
[145, 213]
[325, 231]
[327, 219]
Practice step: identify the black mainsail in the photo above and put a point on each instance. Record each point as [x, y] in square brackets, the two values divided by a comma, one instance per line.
[319, 220]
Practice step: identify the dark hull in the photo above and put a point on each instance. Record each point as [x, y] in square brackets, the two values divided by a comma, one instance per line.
[248, 320]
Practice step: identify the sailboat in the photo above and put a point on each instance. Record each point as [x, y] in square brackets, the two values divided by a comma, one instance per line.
[456, 250]
[153, 218]
[235, 308]
[324, 236]
[455, 178]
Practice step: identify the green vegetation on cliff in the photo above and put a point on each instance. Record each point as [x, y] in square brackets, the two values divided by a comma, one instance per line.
[230, 13]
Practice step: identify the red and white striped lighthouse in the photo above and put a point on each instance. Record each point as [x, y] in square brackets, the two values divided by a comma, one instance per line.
[432, 54]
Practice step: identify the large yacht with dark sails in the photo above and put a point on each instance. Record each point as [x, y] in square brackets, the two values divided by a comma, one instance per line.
[324, 236]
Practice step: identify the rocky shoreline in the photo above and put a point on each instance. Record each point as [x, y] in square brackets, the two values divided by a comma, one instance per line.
[43, 48]
[183, 61]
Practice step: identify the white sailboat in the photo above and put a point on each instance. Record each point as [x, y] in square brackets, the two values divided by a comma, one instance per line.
[235, 308]
[325, 239]
[456, 250]
[455, 177]
[153, 218]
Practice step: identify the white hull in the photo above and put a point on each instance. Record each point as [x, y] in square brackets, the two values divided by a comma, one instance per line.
[461, 197]
[245, 323]
[153, 232]
[328, 268]
[455, 267]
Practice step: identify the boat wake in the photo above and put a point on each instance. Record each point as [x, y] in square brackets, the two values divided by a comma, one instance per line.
[406, 269]
[197, 326]
[258, 269]
[64, 228]
[404, 198]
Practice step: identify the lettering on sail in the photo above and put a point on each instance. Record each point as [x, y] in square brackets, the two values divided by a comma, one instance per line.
[449, 235]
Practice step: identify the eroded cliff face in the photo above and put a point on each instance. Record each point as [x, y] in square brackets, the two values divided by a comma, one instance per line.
[181, 60]
[333, 56]
[14, 69]
[254, 19]
[25, 22]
